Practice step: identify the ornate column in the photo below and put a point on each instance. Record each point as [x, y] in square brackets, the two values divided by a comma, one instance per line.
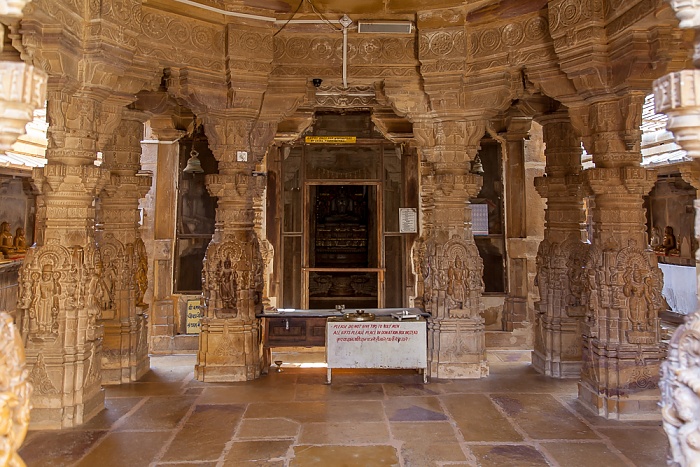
[561, 255]
[515, 313]
[445, 256]
[22, 90]
[622, 289]
[678, 96]
[229, 342]
[125, 279]
[61, 279]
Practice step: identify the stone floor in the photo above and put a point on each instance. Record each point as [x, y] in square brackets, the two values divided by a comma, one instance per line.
[513, 418]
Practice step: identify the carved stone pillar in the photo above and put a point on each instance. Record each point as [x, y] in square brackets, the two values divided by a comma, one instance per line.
[515, 306]
[445, 256]
[561, 255]
[678, 96]
[125, 279]
[22, 87]
[163, 312]
[622, 290]
[229, 342]
[22, 90]
[61, 279]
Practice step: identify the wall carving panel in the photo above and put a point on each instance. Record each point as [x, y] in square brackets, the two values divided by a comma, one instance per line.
[174, 41]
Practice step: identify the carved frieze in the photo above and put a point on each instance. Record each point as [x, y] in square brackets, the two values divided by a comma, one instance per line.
[451, 277]
[171, 39]
[232, 279]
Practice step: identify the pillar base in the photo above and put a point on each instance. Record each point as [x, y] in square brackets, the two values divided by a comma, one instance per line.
[458, 349]
[124, 352]
[229, 350]
[642, 405]
[554, 368]
[56, 401]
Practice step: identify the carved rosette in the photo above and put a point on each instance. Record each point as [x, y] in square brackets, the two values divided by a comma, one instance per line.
[15, 392]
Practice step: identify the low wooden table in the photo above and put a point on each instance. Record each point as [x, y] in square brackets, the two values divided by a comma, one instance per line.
[306, 328]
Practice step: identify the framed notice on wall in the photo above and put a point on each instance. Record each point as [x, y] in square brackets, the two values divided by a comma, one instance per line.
[480, 219]
[194, 316]
[408, 220]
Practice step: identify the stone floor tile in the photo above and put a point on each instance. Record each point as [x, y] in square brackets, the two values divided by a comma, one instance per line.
[205, 433]
[126, 449]
[257, 452]
[185, 464]
[478, 419]
[339, 391]
[344, 456]
[235, 393]
[344, 433]
[424, 433]
[508, 455]
[259, 428]
[578, 454]
[139, 389]
[414, 409]
[643, 446]
[541, 416]
[434, 455]
[411, 389]
[518, 378]
[58, 448]
[318, 411]
[114, 410]
[158, 413]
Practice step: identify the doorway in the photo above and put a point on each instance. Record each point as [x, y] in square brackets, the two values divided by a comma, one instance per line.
[338, 212]
[343, 246]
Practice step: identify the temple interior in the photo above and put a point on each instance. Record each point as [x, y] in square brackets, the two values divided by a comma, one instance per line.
[321, 232]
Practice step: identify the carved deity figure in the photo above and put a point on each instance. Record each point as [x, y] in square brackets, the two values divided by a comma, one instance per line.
[668, 244]
[6, 239]
[228, 285]
[456, 281]
[19, 243]
[46, 298]
[638, 291]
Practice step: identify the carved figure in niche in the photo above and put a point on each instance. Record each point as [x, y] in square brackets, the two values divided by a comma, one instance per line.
[668, 244]
[456, 281]
[655, 238]
[98, 296]
[46, 296]
[638, 291]
[141, 272]
[5, 239]
[19, 243]
[228, 286]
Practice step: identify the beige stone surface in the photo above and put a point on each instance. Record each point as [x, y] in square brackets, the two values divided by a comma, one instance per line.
[496, 424]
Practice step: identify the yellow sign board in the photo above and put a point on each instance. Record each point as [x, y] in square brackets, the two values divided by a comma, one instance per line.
[331, 139]
[194, 316]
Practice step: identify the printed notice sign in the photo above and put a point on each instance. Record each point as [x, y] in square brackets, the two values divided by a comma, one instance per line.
[330, 139]
[480, 219]
[408, 220]
[193, 316]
